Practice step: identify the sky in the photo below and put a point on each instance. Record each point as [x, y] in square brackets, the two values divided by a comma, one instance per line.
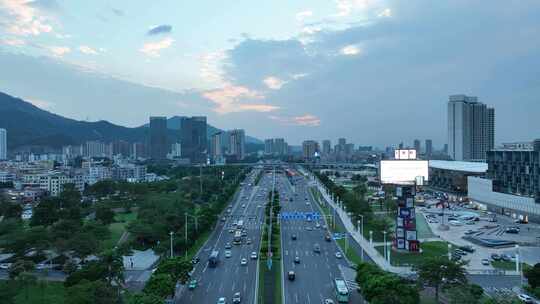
[377, 72]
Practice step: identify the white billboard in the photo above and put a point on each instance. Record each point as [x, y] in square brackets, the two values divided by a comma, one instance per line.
[403, 171]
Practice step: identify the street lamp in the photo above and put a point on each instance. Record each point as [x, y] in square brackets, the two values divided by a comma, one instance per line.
[371, 237]
[384, 241]
[171, 234]
[449, 251]
[361, 229]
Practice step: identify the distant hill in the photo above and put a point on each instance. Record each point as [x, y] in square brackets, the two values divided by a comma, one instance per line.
[29, 125]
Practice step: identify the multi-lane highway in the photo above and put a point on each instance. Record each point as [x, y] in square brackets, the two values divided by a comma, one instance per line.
[316, 271]
[229, 276]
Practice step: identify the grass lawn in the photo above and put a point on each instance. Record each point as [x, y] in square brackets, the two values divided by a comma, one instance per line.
[429, 249]
[42, 292]
[423, 229]
[508, 265]
[118, 228]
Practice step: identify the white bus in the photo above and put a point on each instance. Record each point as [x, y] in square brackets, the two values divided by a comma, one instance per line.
[240, 224]
[342, 292]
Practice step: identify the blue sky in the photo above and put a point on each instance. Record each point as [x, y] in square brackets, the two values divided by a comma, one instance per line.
[376, 72]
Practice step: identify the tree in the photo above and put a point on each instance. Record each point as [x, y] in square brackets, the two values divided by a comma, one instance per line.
[86, 292]
[177, 267]
[46, 212]
[533, 276]
[104, 214]
[144, 299]
[84, 244]
[114, 267]
[10, 210]
[440, 273]
[161, 285]
[26, 280]
[465, 294]
[92, 271]
[19, 267]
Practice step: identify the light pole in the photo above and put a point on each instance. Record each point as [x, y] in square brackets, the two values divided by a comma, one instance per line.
[384, 242]
[371, 238]
[362, 234]
[449, 251]
[171, 234]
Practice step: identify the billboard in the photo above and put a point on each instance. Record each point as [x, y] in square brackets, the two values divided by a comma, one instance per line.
[408, 154]
[403, 171]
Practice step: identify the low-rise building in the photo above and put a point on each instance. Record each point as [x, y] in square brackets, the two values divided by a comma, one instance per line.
[451, 176]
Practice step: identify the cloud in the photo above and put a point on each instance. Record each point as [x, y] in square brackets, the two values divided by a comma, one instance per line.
[13, 42]
[385, 13]
[210, 68]
[159, 29]
[230, 99]
[307, 120]
[350, 50]
[301, 16]
[274, 83]
[347, 7]
[118, 12]
[58, 51]
[87, 50]
[23, 19]
[153, 49]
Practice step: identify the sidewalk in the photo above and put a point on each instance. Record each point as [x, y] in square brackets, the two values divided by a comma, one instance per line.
[355, 234]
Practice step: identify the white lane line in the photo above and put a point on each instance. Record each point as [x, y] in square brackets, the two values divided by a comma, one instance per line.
[221, 287]
[208, 288]
[296, 297]
[308, 299]
[233, 285]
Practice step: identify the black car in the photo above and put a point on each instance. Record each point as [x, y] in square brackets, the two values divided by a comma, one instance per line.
[467, 248]
[291, 275]
[495, 257]
[293, 237]
[195, 260]
[297, 260]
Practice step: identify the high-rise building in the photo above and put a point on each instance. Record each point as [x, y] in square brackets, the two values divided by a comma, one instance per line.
[216, 145]
[3, 144]
[429, 148]
[237, 143]
[280, 146]
[97, 149]
[268, 146]
[445, 149]
[471, 128]
[176, 150]
[326, 147]
[158, 137]
[417, 146]
[138, 150]
[310, 149]
[194, 138]
[121, 147]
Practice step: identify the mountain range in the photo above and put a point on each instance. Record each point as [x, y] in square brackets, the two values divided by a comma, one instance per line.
[28, 126]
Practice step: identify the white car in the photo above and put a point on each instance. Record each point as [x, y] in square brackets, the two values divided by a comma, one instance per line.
[339, 255]
[253, 255]
[228, 253]
[525, 298]
[243, 262]
[222, 300]
[318, 225]
[236, 298]
[328, 301]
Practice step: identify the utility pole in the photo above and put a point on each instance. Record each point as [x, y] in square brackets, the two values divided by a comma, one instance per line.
[171, 234]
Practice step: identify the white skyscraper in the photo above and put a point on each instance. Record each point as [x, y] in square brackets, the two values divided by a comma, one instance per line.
[3, 144]
[471, 128]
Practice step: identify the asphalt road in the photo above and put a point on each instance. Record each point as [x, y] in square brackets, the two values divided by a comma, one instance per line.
[316, 272]
[229, 276]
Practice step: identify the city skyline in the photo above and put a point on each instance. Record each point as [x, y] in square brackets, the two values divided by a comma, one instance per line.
[313, 77]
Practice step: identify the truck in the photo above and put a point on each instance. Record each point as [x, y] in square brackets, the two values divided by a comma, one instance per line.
[213, 259]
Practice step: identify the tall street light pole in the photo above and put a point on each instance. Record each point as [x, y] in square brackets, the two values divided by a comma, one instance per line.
[171, 234]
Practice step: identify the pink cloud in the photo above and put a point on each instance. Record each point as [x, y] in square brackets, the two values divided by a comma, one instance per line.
[230, 99]
[24, 19]
[306, 120]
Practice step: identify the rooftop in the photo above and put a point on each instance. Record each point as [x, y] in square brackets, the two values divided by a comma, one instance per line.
[474, 167]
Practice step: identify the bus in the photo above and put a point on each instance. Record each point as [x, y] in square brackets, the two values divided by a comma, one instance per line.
[342, 292]
[237, 239]
[240, 224]
[213, 260]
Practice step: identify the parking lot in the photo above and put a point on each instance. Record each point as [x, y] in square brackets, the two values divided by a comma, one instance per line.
[458, 226]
